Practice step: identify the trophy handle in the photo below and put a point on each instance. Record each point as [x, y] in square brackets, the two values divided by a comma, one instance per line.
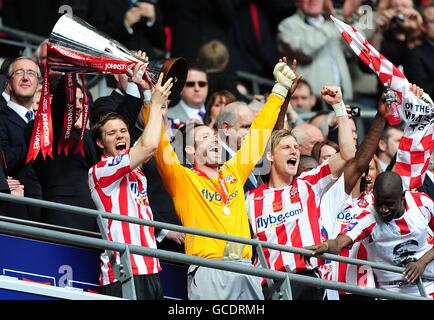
[175, 68]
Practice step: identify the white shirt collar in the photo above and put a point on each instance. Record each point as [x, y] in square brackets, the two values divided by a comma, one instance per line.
[192, 113]
[20, 110]
[6, 96]
[315, 21]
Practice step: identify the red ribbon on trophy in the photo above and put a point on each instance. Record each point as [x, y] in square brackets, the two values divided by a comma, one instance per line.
[75, 47]
[69, 116]
[42, 135]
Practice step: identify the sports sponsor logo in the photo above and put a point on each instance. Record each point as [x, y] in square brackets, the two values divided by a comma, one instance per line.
[273, 220]
[115, 161]
[140, 196]
[231, 179]
[345, 217]
[211, 196]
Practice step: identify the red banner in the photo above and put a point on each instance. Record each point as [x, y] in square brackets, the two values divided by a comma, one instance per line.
[85, 116]
[69, 116]
[42, 135]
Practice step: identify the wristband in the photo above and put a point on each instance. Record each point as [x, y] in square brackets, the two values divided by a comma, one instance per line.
[327, 246]
[340, 109]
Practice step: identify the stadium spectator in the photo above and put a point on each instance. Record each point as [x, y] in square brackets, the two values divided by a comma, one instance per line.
[305, 164]
[321, 151]
[399, 26]
[394, 230]
[191, 107]
[24, 76]
[302, 101]
[307, 135]
[138, 25]
[233, 124]
[211, 197]
[213, 58]
[193, 23]
[215, 105]
[388, 145]
[314, 41]
[118, 186]
[419, 69]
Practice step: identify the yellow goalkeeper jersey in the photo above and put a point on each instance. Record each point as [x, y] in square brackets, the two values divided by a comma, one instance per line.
[198, 202]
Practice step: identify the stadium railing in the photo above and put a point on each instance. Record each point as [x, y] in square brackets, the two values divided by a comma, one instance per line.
[123, 270]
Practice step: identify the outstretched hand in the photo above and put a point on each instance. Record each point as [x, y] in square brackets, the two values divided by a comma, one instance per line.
[160, 93]
[295, 82]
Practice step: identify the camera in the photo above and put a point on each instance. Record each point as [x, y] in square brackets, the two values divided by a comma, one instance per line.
[355, 112]
[397, 19]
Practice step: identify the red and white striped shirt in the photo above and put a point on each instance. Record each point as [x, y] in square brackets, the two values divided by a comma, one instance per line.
[348, 273]
[290, 216]
[398, 242]
[118, 190]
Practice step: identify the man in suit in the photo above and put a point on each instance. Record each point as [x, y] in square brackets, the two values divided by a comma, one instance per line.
[24, 76]
[64, 178]
[233, 123]
[191, 107]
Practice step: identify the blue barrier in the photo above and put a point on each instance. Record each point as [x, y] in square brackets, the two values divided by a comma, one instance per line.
[62, 265]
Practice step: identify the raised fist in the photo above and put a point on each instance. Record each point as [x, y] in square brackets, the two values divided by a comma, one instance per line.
[284, 77]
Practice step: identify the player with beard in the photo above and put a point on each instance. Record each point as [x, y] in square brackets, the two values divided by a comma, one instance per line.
[211, 197]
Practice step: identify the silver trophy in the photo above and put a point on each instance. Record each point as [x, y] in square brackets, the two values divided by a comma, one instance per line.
[76, 46]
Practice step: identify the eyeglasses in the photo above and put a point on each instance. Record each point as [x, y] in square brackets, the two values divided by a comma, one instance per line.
[21, 72]
[191, 84]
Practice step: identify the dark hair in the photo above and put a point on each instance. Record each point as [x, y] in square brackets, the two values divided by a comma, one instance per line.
[97, 127]
[303, 82]
[224, 93]
[194, 66]
[316, 150]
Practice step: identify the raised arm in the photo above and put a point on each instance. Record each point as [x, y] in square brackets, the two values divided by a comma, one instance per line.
[337, 162]
[148, 142]
[366, 150]
[255, 142]
[280, 123]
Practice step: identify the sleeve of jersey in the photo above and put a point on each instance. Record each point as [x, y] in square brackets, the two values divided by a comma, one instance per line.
[360, 227]
[111, 170]
[428, 203]
[256, 140]
[320, 178]
[168, 164]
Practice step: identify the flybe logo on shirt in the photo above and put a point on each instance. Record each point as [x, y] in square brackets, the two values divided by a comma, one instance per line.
[215, 196]
[345, 217]
[275, 219]
[140, 196]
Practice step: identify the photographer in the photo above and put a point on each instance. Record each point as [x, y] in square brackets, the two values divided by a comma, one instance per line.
[399, 29]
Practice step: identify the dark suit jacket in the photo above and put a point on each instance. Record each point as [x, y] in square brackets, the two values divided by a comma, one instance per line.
[419, 68]
[108, 17]
[64, 178]
[14, 145]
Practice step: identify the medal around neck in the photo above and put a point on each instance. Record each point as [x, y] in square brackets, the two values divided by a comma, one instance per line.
[227, 211]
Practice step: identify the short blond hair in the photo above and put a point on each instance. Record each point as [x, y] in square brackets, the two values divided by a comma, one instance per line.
[277, 136]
